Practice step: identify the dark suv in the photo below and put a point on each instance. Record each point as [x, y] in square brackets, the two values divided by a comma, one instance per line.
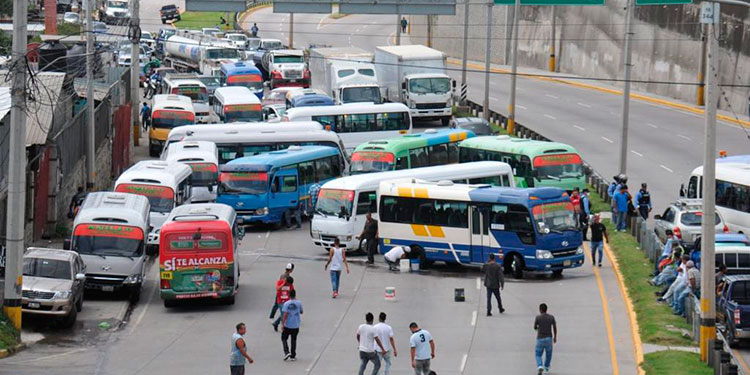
[169, 12]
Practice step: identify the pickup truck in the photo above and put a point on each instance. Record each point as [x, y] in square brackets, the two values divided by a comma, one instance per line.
[733, 308]
[169, 12]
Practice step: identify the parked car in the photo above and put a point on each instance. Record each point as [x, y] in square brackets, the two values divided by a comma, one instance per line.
[477, 125]
[733, 308]
[53, 283]
[684, 218]
[64, 6]
[169, 12]
[148, 39]
[273, 112]
[730, 249]
[70, 17]
[100, 27]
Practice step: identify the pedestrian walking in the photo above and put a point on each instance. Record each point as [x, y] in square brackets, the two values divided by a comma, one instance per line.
[276, 306]
[643, 199]
[284, 289]
[620, 200]
[613, 188]
[370, 234]
[546, 336]
[494, 281]
[394, 255]
[145, 116]
[295, 211]
[585, 213]
[385, 333]
[254, 30]
[422, 349]
[313, 192]
[290, 323]
[404, 23]
[598, 235]
[337, 259]
[239, 354]
[367, 338]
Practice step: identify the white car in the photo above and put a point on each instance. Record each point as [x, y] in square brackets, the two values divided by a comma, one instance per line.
[238, 40]
[70, 17]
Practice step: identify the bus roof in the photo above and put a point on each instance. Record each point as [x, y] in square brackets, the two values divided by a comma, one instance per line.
[176, 82]
[237, 128]
[277, 159]
[475, 193]
[239, 68]
[168, 101]
[733, 172]
[529, 147]
[343, 109]
[744, 159]
[232, 95]
[155, 172]
[114, 208]
[193, 151]
[201, 212]
[409, 141]
[267, 136]
[464, 170]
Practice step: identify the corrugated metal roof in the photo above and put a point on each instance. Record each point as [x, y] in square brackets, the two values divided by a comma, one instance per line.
[4, 101]
[40, 111]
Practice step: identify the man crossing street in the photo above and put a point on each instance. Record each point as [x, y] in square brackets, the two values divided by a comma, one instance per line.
[494, 282]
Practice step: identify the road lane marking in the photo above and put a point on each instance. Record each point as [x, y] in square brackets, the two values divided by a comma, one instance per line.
[268, 233]
[637, 153]
[552, 96]
[607, 322]
[320, 23]
[579, 128]
[550, 117]
[463, 362]
[494, 98]
[584, 105]
[47, 357]
[683, 137]
[666, 168]
[652, 125]
[743, 364]
[474, 318]
[479, 283]
[608, 140]
[520, 106]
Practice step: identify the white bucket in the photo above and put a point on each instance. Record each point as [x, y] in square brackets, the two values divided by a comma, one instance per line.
[390, 293]
[404, 265]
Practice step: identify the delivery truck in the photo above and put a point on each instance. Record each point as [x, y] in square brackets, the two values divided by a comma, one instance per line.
[345, 73]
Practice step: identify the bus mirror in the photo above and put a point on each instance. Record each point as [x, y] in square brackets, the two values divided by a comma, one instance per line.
[403, 85]
[210, 188]
[542, 228]
[240, 231]
[66, 244]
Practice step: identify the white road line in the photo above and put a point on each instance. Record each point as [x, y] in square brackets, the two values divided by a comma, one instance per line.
[550, 117]
[637, 153]
[613, 113]
[320, 23]
[579, 128]
[520, 106]
[552, 96]
[683, 137]
[474, 318]
[494, 98]
[584, 105]
[463, 362]
[608, 140]
[268, 233]
[666, 168]
[652, 125]
[479, 283]
[494, 84]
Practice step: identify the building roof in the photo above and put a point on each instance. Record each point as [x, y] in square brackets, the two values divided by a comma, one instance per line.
[40, 111]
[4, 101]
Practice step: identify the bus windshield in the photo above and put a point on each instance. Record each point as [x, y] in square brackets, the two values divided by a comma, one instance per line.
[245, 112]
[288, 59]
[195, 93]
[430, 85]
[168, 119]
[204, 174]
[161, 198]
[251, 81]
[558, 166]
[334, 202]
[207, 241]
[557, 217]
[243, 183]
[371, 161]
[105, 239]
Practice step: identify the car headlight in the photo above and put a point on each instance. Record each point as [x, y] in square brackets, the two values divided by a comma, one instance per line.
[346, 238]
[580, 250]
[62, 294]
[543, 254]
[412, 104]
[133, 279]
[262, 211]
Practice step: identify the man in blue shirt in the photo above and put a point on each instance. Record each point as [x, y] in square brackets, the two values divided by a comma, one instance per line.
[643, 200]
[621, 207]
[422, 349]
[292, 310]
[239, 352]
[313, 192]
[145, 116]
[585, 212]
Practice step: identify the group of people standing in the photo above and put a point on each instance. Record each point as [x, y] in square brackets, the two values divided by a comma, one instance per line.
[623, 204]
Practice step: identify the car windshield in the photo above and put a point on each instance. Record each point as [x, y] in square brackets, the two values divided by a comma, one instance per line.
[430, 85]
[204, 174]
[287, 59]
[169, 7]
[117, 4]
[557, 217]
[478, 129]
[48, 268]
[243, 183]
[695, 218]
[105, 239]
[558, 166]
[371, 161]
[171, 119]
[361, 95]
[334, 202]
[161, 198]
[253, 44]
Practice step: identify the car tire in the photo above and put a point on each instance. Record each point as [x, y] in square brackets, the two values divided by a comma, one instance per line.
[445, 121]
[153, 152]
[229, 301]
[557, 274]
[731, 340]
[79, 304]
[70, 319]
[163, 21]
[179, 18]
[135, 294]
[515, 266]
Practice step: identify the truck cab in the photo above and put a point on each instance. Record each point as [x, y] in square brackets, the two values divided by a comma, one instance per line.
[287, 68]
[733, 308]
[428, 96]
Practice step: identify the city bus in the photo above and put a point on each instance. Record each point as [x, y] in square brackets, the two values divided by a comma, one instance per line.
[237, 104]
[241, 74]
[530, 229]
[534, 163]
[432, 147]
[198, 254]
[343, 203]
[356, 123]
[263, 188]
[732, 192]
[166, 185]
[307, 98]
[203, 158]
[167, 112]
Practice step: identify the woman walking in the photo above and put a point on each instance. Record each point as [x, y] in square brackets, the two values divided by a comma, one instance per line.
[336, 258]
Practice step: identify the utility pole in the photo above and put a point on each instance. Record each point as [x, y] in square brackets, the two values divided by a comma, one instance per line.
[135, 81]
[508, 33]
[486, 105]
[429, 30]
[291, 30]
[552, 62]
[465, 46]
[511, 126]
[398, 29]
[626, 91]
[14, 243]
[90, 99]
[702, 74]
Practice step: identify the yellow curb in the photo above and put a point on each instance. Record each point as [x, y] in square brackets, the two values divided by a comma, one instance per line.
[606, 312]
[634, 327]
[9, 351]
[645, 98]
[250, 11]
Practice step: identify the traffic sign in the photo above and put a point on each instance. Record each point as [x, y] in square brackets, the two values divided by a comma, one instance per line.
[662, 2]
[302, 6]
[414, 7]
[551, 2]
[215, 5]
[710, 13]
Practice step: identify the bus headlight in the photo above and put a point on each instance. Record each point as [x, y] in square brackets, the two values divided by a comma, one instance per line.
[543, 254]
[345, 238]
[580, 250]
[412, 104]
[262, 211]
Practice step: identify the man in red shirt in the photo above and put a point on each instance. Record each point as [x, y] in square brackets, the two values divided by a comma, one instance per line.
[283, 287]
[575, 199]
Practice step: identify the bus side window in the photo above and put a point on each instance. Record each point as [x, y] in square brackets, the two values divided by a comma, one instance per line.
[438, 154]
[519, 221]
[418, 157]
[693, 187]
[289, 184]
[452, 152]
[388, 209]
[402, 163]
[335, 163]
[306, 173]
[365, 204]
[323, 169]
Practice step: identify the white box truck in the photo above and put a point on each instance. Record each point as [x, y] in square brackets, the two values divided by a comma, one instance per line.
[416, 76]
[345, 73]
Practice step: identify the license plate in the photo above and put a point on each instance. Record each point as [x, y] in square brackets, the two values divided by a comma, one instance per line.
[108, 288]
[566, 263]
[293, 80]
[34, 305]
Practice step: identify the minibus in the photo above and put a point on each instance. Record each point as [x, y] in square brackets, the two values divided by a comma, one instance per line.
[203, 158]
[237, 104]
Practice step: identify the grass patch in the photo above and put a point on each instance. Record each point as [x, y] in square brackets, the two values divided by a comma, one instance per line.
[672, 362]
[8, 334]
[337, 16]
[653, 317]
[198, 20]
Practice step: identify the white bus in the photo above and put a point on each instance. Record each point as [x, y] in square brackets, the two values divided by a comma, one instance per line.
[203, 158]
[732, 193]
[237, 104]
[343, 203]
[193, 89]
[356, 123]
[168, 112]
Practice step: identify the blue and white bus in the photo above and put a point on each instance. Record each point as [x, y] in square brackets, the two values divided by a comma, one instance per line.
[242, 74]
[527, 229]
[264, 187]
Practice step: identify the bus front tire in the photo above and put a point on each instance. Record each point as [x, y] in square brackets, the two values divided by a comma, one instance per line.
[515, 266]
[170, 303]
[153, 151]
[229, 301]
[557, 273]
[445, 121]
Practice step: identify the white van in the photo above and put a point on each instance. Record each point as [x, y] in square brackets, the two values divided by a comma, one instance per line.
[343, 203]
[237, 104]
[203, 159]
[190, 86]
[166, 185]
[109, 232]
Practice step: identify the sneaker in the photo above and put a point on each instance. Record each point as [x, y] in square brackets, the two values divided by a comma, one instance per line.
[600, 265]
[275, 327]
[293, 359]
[546, 369]
[489, 313]
[502, 310]
[287, 356]
[540, 370]
[335, 294]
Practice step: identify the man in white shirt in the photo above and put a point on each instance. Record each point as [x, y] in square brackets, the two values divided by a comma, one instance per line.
[422, 349]
[394, 255]
[367, 338]
[385, 333]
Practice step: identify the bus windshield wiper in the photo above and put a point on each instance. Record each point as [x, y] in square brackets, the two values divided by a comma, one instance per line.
[319, 211]
[554, 177]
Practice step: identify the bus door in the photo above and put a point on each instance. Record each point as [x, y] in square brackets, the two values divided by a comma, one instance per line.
[284, 191]
[481, 246]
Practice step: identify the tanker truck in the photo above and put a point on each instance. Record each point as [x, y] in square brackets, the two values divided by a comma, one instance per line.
[188, 55]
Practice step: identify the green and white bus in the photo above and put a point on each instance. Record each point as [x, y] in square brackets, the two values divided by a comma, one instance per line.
[534, 163]
[430, 148]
